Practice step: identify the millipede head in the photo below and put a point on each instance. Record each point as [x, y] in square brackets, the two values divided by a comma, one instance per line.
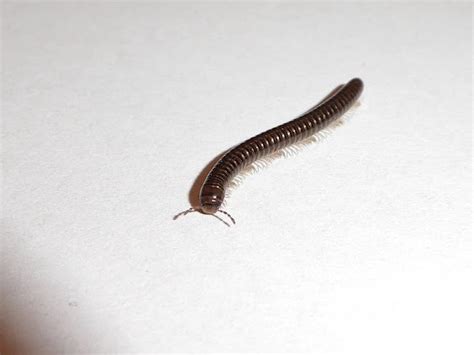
[210, 199]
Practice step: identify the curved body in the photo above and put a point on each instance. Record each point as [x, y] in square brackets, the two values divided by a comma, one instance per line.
[232, 162]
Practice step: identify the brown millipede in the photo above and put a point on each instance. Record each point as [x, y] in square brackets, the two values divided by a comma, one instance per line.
[213, 190]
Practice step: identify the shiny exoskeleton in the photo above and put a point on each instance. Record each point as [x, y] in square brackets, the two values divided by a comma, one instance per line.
[213, 190]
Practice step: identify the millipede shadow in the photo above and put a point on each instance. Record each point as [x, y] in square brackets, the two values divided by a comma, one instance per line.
[324, 99]
[193, 195]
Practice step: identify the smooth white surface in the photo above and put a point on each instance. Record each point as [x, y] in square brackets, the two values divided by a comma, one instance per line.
[358, 245]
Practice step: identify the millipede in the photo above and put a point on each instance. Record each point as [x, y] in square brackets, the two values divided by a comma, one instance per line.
[269, 143]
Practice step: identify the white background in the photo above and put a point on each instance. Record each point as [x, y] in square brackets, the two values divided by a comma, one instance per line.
[358, 245]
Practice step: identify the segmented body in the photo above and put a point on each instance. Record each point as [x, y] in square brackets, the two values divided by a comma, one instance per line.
[232, 162]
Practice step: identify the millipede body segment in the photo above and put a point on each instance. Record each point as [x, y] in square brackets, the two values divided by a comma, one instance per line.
[233, 161]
